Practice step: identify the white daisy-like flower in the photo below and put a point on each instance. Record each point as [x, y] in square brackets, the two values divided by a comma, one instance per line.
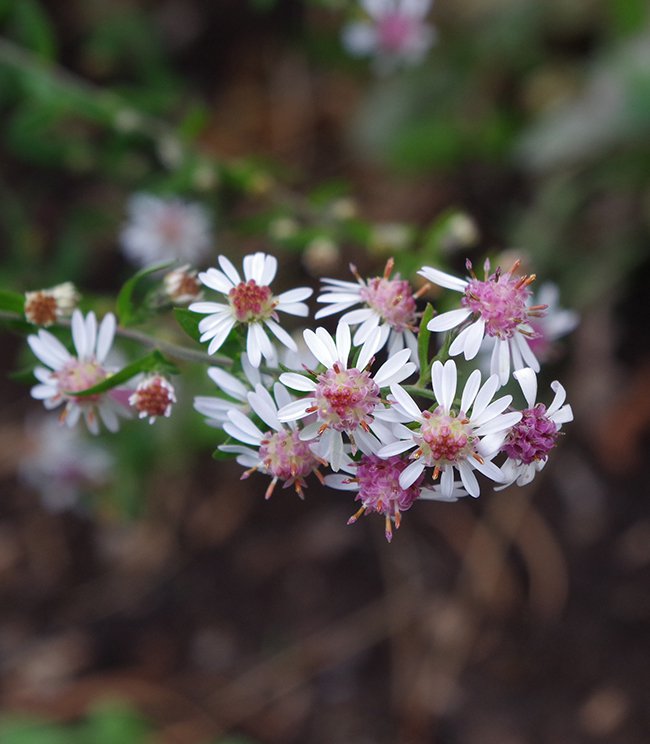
[70, 374]
[251, 303]
[278, 452]
[165, 230]
[495, 308]
[62, 465]
[530, 440]
[376, 483]
[394, 33]
[389, 304]
[450, 439]
[344, 399]
[236, 389]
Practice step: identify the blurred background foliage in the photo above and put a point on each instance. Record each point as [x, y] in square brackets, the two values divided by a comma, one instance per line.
[525, 128]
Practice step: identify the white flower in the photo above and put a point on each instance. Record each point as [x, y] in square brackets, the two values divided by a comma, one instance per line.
[498, 306]
[165, 230]
[61, 464]
[344, 399]
[182, 285]
[279, 451]
[529, 441]
[216, 408]
[250, 303]
[389, 304]
[394, 33]
[68, 373]
[46, 306]
[448, 439]
[153, 397]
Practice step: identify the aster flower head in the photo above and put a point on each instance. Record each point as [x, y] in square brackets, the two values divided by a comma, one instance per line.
[182, 286]
[46, 306]
[250, 303]
[529, 441]
[153, 397]
[71, 374]
[160, 229]
[451, 437]
[394, 32]
[277, 451]
[498, 309]
[389, 304]
[344, 399]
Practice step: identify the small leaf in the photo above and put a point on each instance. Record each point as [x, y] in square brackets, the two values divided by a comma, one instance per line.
[188, 321]
[125, 306]
[150, 363]
[13, 302]
[424, 336]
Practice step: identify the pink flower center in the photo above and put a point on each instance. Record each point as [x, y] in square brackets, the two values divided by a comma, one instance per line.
[533, 437]
[500, 301]
[392, 300]
[379, 488]
[285, 456]
[251, 302]
[444, 438]
[76, 375]
[395, 31]
[346, 398]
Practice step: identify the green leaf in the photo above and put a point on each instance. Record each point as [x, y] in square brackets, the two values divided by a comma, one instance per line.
[127, 311]
[13, 302]
[188, 321]
[424, 336]
[34, 28]
[153, 362]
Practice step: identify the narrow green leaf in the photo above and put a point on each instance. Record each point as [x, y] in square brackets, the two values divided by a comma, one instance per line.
[125, 304]
[424, 336]
[13, 302]
[35, 28]
[188, 321]
[150, 363]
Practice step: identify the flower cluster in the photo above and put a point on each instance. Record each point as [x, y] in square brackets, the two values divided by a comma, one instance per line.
[362, 409]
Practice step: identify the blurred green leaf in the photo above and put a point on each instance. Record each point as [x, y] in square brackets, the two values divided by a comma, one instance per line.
[34, 29]
[424, 337]
[128, 311]
[13, 302]
[115, 723]
[188, 321]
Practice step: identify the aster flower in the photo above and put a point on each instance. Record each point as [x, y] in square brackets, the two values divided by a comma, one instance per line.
[450, 439]
[279, 451]
[389, 304]
[236, 389]
[344, 399]
[530, 440]
[71, 374]
[395, 32]
[182, 286]
[499, 310]
[250, 303]
[46, 306]
[164, 230]
[153, 397]
[376, 482]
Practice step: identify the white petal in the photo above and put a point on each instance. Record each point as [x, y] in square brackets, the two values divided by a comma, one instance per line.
[469, 479]
[449, 384]
[282, 336]
[343, 342]
[252, 347]
[395, 448]
[228, 383]
[79, 336]
[484, 396]
[295, 295]
[217, 280]
[558, 400]
[105, 336]
[406, 402]
[262, 341]
[499, 424]
[337, 307]
[526, 352]
[244, 424]
[359, 316]
[297, 382]
[442, 279]
[49, 349]
[322, 349]
[269, 269]
[563, 416]
[474, 338]
[294, 308]
[219, 337]
[489, 412]
[209, 308]
[390, 367]
[527, 380]
[469, 392]
[229, 270]
[487, 467]
[500, 360]
[341, 482]
[447, 482]
[411, 473]
[264, 406]
[336, 453]
[449, 320]
[369, 348]
[310, 431]
[295, 410]
[41, 392]
[339, 297]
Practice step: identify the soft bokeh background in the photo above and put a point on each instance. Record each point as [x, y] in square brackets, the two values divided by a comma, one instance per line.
[168, 602]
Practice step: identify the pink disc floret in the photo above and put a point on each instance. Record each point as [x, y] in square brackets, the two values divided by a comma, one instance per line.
[392, 300]
[287, 458]
[444, 438]
[395, 31]
[77, 375]
[533, 437]
[345, 398]
[252, 302]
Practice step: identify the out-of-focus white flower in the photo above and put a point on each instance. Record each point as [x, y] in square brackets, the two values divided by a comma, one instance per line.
[46, 306]
[278, 452]
[182, 285]
[70, 374]
[446, 439]
[250, 303]
[530, 440]
[165, 230]
[394, 33]
[61, 464]
[154, 396]
[500, 310]
[344, 399]
[389, 305]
